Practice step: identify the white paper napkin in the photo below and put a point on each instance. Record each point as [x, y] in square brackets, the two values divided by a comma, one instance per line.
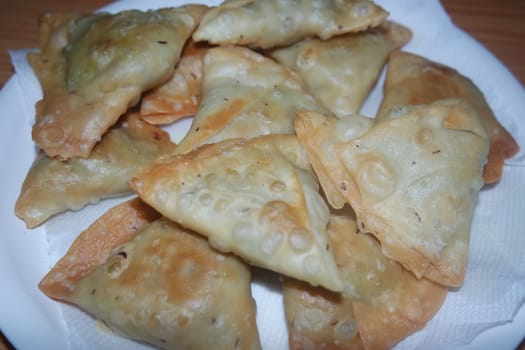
[494, 289]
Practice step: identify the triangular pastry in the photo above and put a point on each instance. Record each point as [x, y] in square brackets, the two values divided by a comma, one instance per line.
[245, 95]
[160, 284]
[270, 23]
[413, 79]
[92, 68]
[340, 72]
[52, 186]
[407, 178]
[257, 198]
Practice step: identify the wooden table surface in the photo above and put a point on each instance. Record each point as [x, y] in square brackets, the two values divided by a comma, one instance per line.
[499, 25]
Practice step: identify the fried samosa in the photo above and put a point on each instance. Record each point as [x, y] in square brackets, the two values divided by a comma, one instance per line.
[52, 186]
[413, 79]
[341, 72]
[156, 282]
[270, 23]
[407, 178]
[92, 68]
[245, 95]
[257, 198]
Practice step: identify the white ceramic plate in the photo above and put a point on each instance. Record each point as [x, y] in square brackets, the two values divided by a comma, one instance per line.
[494, 290]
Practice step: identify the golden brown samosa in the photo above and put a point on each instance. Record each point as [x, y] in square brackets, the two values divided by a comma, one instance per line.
[412, 178]
[151, 280]
[257, 198]
[340, 72]
[92, 68]
[413, 79]
[271, 23]
[52, 186]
